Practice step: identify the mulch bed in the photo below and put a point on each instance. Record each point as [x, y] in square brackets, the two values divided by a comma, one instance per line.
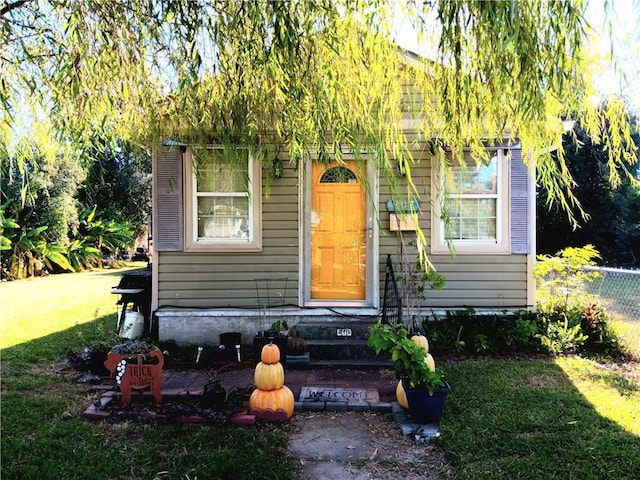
[205, 409]
[196, 409]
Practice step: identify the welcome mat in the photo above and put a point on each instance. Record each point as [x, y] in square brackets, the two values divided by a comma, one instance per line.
[340, 395]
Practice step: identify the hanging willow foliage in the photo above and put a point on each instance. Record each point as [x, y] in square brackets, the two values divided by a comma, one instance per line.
[308, 75]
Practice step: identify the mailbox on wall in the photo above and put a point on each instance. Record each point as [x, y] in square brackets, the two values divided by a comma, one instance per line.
[402, 222]
[402, 214]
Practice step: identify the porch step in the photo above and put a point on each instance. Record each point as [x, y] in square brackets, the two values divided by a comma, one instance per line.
[337, 340]
[348, 363]
[334, 342]
[302, 362]
[332, 328]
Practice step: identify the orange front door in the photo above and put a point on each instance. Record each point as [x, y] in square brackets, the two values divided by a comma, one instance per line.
[338, 233]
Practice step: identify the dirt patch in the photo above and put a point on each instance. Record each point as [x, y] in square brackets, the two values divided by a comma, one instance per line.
[361, 445]
[545, 381]
[629, 370]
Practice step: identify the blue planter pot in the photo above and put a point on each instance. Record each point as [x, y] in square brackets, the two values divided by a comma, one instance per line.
[425, 408]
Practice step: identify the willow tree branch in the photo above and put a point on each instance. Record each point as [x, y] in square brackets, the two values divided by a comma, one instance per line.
[8, 7]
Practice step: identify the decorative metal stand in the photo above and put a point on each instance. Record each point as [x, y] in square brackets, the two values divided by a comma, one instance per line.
[271, 296]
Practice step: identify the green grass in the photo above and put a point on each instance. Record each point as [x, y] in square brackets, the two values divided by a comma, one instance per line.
[45, 436]
[568, 418]
[530, 419]
[628, 331]
[36, 307]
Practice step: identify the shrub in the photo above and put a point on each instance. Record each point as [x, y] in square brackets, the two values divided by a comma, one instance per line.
[467, 332]
[568, 319]
[562, 332]
[26, 252]
[572, 319]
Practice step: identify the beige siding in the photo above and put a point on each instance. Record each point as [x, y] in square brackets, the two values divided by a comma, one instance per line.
[488, 281]
[420, 171]
[480, 281]
[227, 280]
[217, 280]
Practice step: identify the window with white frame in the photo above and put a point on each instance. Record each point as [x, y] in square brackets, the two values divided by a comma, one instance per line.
[223, 200]
[472, 213]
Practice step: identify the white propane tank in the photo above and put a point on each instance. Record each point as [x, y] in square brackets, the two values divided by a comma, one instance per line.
[133, 326]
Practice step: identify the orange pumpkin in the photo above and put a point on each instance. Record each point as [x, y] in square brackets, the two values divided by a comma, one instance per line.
[270, 354]
[421, 341]
[279, 399]
[269, 376]
[401, 395]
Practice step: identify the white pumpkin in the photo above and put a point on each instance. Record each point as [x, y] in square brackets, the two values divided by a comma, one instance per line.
[421, 341]
[401, 395]
[431, 363]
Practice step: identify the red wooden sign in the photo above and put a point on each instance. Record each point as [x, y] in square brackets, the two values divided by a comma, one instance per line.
[137, 372]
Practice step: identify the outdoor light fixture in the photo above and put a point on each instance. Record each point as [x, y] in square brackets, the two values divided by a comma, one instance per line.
[277, 169]
[401, 168]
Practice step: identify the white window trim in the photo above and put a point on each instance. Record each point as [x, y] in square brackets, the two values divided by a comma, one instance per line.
[502, 245]
[192, 243]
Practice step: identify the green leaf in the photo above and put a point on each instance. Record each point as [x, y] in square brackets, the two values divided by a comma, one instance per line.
[9, 223]
[60, 260]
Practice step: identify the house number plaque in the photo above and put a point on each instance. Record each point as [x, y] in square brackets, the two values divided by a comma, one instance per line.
[343, 332]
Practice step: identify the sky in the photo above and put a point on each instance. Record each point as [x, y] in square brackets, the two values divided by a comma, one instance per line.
[625, 18]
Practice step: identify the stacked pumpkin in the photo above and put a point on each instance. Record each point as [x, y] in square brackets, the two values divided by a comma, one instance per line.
[272, 399]
[421, 341]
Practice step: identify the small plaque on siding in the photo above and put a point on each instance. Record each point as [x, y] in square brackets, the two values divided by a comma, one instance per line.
[343, 332]
[401, 223]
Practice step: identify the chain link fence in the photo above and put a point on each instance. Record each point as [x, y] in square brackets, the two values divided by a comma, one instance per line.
[619, 289]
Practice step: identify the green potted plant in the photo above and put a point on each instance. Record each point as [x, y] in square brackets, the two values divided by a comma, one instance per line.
[425, 388]
[279, 328]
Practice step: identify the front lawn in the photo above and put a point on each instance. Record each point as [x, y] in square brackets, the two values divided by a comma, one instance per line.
[506, 418]
[34, 307]
[543, 418]
[45, 435]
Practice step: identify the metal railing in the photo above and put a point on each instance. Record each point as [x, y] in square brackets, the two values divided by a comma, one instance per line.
[392, 302]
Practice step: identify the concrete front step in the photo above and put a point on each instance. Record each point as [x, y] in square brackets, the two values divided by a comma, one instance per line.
[337, 339]
[305, 361]
[341, 329]
[347, 363]
[351, 349]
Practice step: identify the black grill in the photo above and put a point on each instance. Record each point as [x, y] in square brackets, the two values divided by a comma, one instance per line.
[135, 292]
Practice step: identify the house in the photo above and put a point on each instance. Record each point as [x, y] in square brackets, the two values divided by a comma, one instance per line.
[227, 258]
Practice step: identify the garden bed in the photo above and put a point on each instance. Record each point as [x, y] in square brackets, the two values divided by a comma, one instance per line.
[196, 409]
